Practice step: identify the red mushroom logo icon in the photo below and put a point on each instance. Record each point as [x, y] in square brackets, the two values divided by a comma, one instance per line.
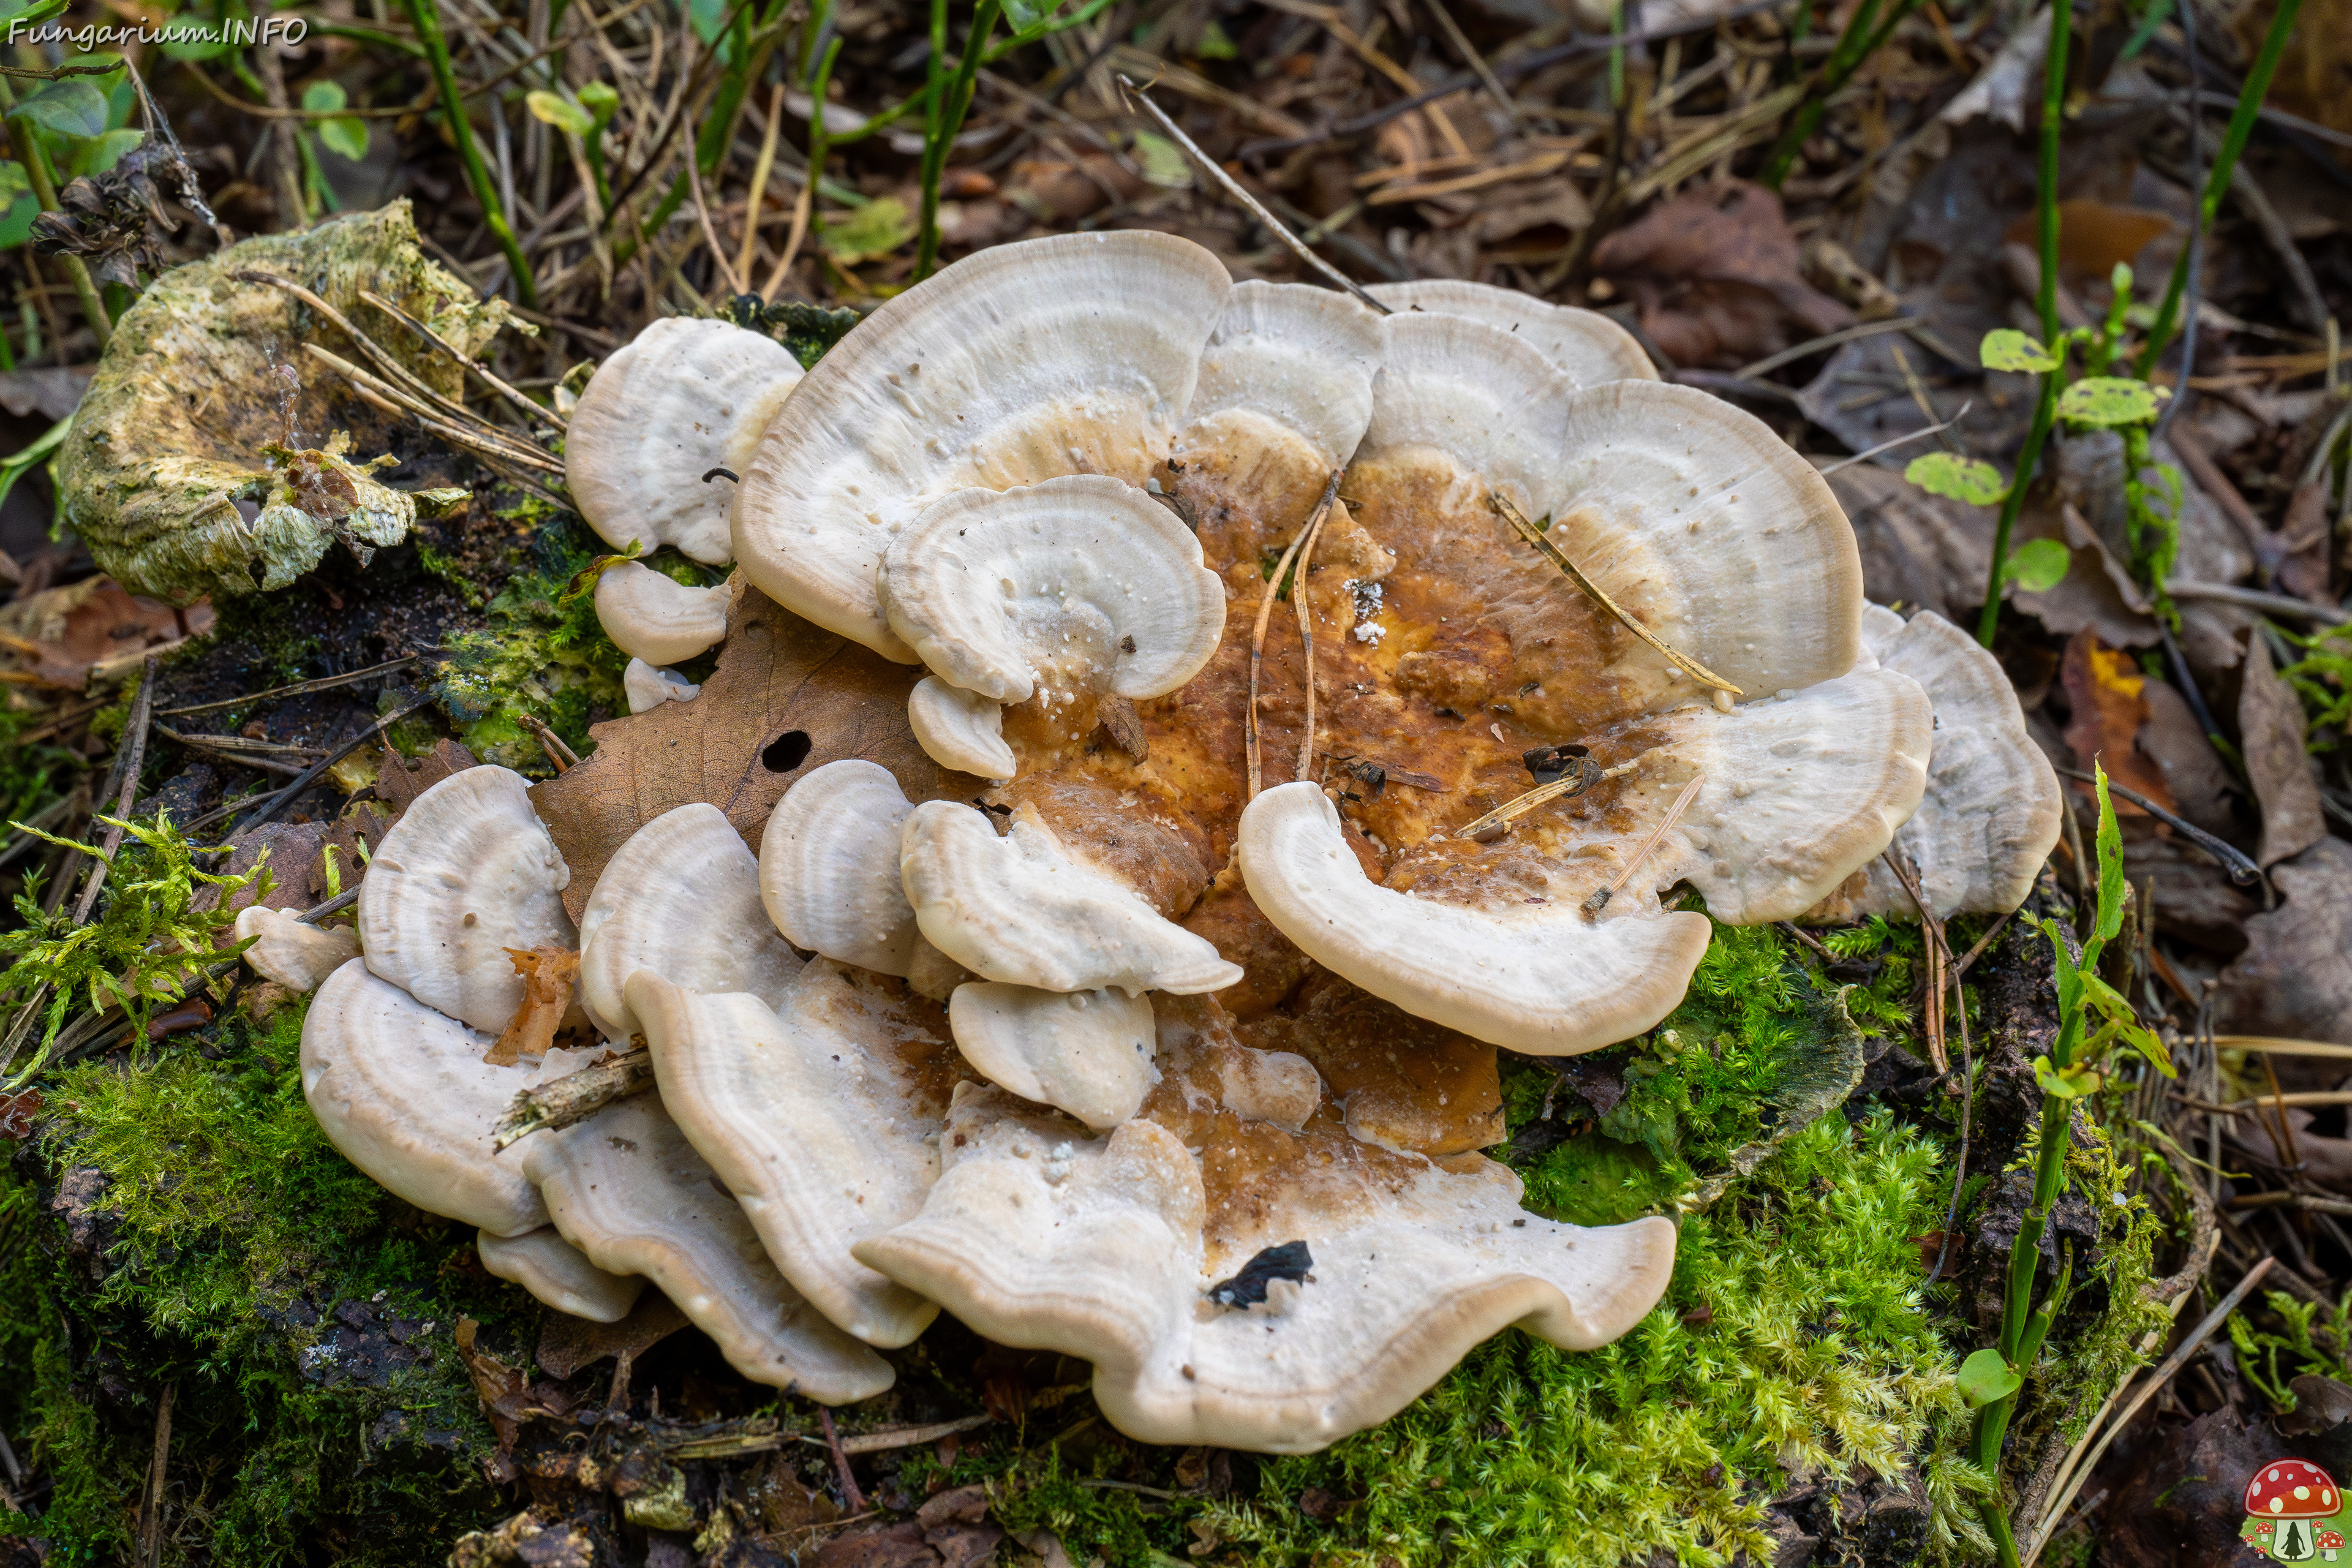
[2296, 1497]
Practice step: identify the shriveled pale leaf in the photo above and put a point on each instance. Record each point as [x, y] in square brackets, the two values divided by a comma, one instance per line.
[1969, 479]
[554, 108]
[786, 698]
[877, 229]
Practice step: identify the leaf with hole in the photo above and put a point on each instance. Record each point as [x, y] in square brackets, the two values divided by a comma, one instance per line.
[2037, 565]
[2006, 348]
[1969, 479]
[1985, 1377]
[71, 107]
[2107, 401]
[554, 108]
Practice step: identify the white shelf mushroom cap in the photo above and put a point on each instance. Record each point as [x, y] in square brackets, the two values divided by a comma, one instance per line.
[628, 1189]
[1544, 979]
[647, 686]
[681, 898]
[1073, 354]
[297, 956]
[558, 1273]
[1085, 1052]
[1584, 345]
[829, 867]
[1020, 909]
[1294, 356]
[679, 399]
[467, 872]
[402, 1091]
[656, 618]
[1040, 1236]
[823, 1118]
[961, 730]
[1991, 812]
[1799, 790]
[1080, 583]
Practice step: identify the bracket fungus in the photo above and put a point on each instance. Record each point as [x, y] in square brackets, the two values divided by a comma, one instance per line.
[1350, 688]
[656, 618]
[560, 1274]
[297, 956]
[647, 686]
[681, 398]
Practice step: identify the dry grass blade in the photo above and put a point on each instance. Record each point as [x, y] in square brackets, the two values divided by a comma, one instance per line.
[1600, 899]
[483, 440]
[530, 409]
[1307, 635]
[1520, 805]
[1233, 188]
[1265, 613]
[1551, 553]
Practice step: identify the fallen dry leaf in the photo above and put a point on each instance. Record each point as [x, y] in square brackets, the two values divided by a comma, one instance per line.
[2094, 236]
[1716, 276]
[2108, 694]
[400, 780]
[2303, 540]
[786, 697]
[2192, 769]
[567, 1343]
[1917, 548]
[2270, 727]
[61, 636]
[2295, 978]
[549, 975]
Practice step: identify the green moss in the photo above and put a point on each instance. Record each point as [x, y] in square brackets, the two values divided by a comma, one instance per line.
[541, 653]
[245, 1253]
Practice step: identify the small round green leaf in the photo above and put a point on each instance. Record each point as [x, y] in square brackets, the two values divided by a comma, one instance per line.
[2006, 348]
[345, 135]
[71, 107]
[325, 97]
[1163, 161]
[1985, 1377]
[599, 99]
[555, 109]
[1969, 479]
[2105, 402]
[2037, 565]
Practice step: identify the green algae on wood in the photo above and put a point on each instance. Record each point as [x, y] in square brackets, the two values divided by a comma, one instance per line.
[167, 476]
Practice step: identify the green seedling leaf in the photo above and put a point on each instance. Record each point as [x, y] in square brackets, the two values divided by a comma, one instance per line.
[2110, 842]
[40, 12]
[599, 99]
[2107, 402]
[554, 108]
[877, 229]
[345, 135]
[2006, 348]
[101, 154]
[1163, 161]
[2065, 1083]
[1969, 479]
[71, 107]
[2037, 565]
[1215, 43]
[1026, 16]
[1985, 1377]
[17, 206]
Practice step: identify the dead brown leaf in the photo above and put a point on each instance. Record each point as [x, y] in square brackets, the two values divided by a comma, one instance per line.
[549, 974]
[2303, 540]
[2270, 727]
[2109, 699]
[2094, 236]
[61, 636]
[400, 780]
[567, 1343]
[786, 697]
[1716, 276]
[1917, 548]
[2295, 978]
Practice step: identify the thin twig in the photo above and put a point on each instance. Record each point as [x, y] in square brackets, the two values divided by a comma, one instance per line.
[1573, 783]
[280, 799]
[1542, 541]
[1233, 188]
[1600, 899]
[533, 410]
[1265, 613]
[761, 168]
[2242, 871]
[1869, 452]
[134, 740]
[849, 1492]
[727, 273]
[151, 1505]
[324, 683]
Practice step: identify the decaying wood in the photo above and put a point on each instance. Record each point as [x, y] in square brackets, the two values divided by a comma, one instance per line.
[576, 1097]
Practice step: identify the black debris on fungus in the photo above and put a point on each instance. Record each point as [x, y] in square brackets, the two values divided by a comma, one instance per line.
[1290, 1261]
